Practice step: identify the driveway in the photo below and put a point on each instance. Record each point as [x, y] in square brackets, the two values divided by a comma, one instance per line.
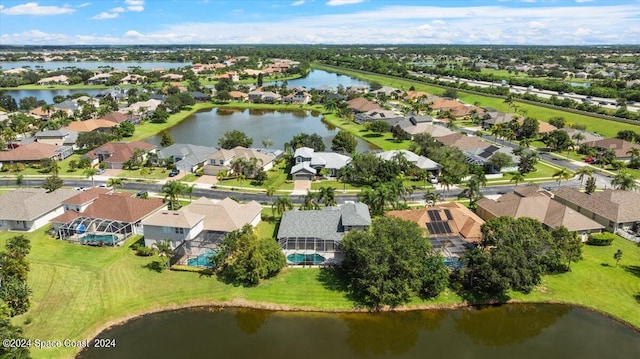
[301, 187]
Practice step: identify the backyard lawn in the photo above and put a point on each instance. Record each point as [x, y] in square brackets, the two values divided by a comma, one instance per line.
[79, 289]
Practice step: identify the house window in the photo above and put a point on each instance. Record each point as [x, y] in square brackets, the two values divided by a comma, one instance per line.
[166, 230]
[179, 230]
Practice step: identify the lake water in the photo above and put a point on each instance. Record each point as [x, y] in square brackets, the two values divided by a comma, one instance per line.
[317, 78]
[505, 332]
[47, 95]
[205, 128]
[92, 65]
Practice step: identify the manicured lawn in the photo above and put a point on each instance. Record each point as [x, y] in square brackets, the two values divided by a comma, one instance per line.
[154, 173]
[64, 169]
[383, 140]
[79, 289]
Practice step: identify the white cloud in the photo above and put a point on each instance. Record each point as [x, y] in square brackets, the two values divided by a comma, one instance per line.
[105, 15]
[549, 25]
[117, 9]
[135, 5]
[83, 5]
[343, 2]
[298, 3]
[32, 8]
[581, 1]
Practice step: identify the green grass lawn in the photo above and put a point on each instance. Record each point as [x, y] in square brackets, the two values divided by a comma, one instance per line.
[383, 140]
[79, 289]
[154, 173]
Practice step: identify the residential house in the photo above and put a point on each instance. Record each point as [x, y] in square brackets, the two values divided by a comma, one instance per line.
[482, 156]
[27, 209]
[534, 202]
[462, 142]
[493, 117]
[99, 79]
[614, 209]
[309, 163]
[176, 227]
[420, 162]
[54, 80]
[361, 104]
[34, 152]
[390, 117]
[115, 154]
[60, 137]
[587, 136]
[451, 227]
[104, 218]
[314, 237]
[133, 79]
[186, 157]
[414, 95]
[264, 96]
[141, 107]
[619, 147]
[171, 77]
[119, 117]
[297, 97]
[238, 96]
[223, 159]
[97, 124]
[68, 107]
[200, 97]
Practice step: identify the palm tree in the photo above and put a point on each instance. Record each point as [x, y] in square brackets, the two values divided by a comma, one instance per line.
[241, 177]
[89, 173]
[327, 196]
[583, 172]
[267, 142]
[115, 182]
[171, 190]
[164, 251]
[431, 198]
[562, 174]
[624, 181]
[310, 202]
[517, 178]
[634, 153]
[577, 137]
[189, 190]
[281, 205]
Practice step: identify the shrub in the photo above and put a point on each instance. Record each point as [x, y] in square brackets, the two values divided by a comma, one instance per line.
[142, 250]
[183, 268]
[601, 239]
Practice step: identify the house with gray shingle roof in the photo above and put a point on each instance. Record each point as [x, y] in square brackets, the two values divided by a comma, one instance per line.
[313, 237]
[614, 209]
[28, 209]
[186, 157]
[421, 162]
[536, 203]
[309, 163]
[59, 137]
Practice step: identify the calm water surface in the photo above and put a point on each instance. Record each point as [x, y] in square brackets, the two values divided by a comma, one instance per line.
[205, 128]
[511, 331]
[92, 65]
[47, 95]
[317, 78]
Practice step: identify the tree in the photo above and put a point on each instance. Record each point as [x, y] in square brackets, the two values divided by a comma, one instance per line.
[569, 243]
[431, 198]
[450, 93]
[91, 140]
[399, 134]
[558, 140]
[344, 142]
[624, 181]
[10, 332]
[583, 172]
[527, 163]
[529, 128]
[160, 115]
[391, 262]
[517, 178]
[163, 248]
[171, 191]
[267, 142]
[500, 160]
[590, 186]
[327, 196]
[115, 182]
[233, 139]
[305, 140]
[577, 137]
[309, 202]
[617, 256]
[90, 173]
[562, 174]
[557, 122]
[379, 126]
[52, 183]
[245, 259]
[513, 254]
[127, 128]
[281, 205]
[167, 139]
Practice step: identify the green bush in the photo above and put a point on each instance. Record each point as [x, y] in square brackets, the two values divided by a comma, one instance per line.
[601, 239]
[183, 268]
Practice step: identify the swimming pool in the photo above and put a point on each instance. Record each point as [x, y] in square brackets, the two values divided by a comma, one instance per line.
[307, 259]
[93, 238]
[202, 260]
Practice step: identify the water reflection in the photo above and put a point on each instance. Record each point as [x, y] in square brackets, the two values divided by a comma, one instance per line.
[389, 333]
[251, 320]
[498, 326]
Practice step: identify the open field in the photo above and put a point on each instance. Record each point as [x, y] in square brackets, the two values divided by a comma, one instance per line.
[77, 289]
[383, 140]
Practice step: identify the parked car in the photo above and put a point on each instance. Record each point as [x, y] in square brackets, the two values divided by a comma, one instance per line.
[142, 194]
[589, 159]
[174, 172]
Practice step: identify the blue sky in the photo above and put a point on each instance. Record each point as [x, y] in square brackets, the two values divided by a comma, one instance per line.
[543, 22]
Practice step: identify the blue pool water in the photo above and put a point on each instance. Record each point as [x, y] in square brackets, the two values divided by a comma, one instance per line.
[309, 259]
[453, 262]
[203, 260]
[110, 239]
